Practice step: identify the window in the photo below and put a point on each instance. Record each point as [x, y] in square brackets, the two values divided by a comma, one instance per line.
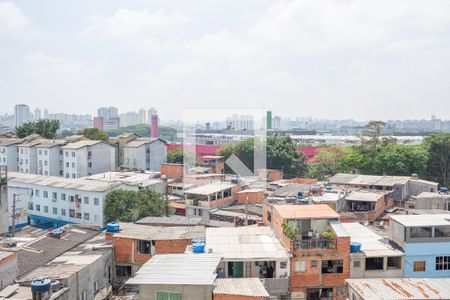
[356, 264]
[73, 165]
[67, 164]
[283, 265]
[63, 211]
[420, 232]
[269, 217]
[38, 207]
[83, 296]
[394, 262]
[86, 216]
[72, 213]
[314, 264]
[73, 175]
[300, 266]
[78, 215]
[374, 263]
[30, 205]
[332, 266]
[123, 271]
[37, 193]
[419, 266]
[96, 201]
[55, 211]
[54, 195]
[45, 152]
[63, 196]
[167, 295]
[46, 208]
[89, 165]
[442, 231]
[442, 263]
[46, 173]
[96, 287]
[73, 153]
[45, 194]
[86, 200]
[144, 247]
[67, 153]
[45, 163]
[40, 152]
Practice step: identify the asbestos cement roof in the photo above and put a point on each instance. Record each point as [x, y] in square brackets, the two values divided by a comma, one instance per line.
[172, 220]
[401, 288]
[422, 220]
[145, 232]
[366, 195]
[372, 244]
[211, 188]
[81, 144]
[355, 179]
[313, 211]
[250, 287]
[9, 142]
[82, 184]
[178, 269]
[138, 142]
[245, 243]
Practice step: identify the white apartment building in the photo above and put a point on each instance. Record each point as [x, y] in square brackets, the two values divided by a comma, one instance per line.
[50, 158]
[9, 153]
[145, 154]
[85, 158]
[27, 154]
[57, 200]
[22, 114]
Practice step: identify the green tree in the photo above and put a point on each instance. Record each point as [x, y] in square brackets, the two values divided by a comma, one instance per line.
[328, 161]
[94, 134]
[353, 160]
[130, 206]
[401, 160]
[438, 166]
[282, 154]
[176, 156]
[45, 128]
[371, 138]
[164, 132]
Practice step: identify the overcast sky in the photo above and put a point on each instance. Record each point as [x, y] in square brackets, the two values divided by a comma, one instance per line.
[362, 59]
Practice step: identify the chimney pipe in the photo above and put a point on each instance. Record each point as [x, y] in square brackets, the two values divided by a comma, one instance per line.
[154, 123]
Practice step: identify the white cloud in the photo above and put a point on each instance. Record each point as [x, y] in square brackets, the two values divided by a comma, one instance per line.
[11, 17]
[126, 22]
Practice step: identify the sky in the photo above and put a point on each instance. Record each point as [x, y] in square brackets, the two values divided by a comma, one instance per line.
[336, 59]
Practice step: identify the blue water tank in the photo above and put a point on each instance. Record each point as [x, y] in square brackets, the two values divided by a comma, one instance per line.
[113, 227]
[41, 285]
[443, 189]
[355, 247]
[300, 194]
[234, 180]
[198, 247]
[328, 188]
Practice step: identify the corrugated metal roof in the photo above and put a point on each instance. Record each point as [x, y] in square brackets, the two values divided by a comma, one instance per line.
[372, 245]
[188, 269]
[138, 142]
[355, 179]
[422, 220]
[313, 211]
[245, 243]
[251, 287]
[401, 288]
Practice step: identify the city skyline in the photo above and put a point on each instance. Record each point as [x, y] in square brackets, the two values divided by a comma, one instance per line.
[336, 59]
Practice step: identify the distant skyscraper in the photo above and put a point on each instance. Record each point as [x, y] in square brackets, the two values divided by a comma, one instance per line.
[37, 114]
[142, 116]
[22, 114]
[45, 113]
[110, 117]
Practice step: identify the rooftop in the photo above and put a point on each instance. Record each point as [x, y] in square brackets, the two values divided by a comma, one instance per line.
[187, 269]
[51, 143]
[82, 184]
[292, 189]
[81, 144]
[401, 288]
[356, 179]
[9, 142]
[366, 195]
[138, 142]
[245, 243]
[129, 178]
[211, 188]
[46, 248]
[432, 195]
[72, 261]
[251, 287]
[172, 220]
[422, 220]
[313, 211]
[145, 232]
[372, 245]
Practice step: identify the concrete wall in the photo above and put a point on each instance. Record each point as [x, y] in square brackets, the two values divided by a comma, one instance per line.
[158, 154]
[425, 252]
[361, 272]
[8, 269]
[235, 297]
[134, 158]
[415, 187]
[197, 292]
[53, 166]
[8, 157]
[103, 158]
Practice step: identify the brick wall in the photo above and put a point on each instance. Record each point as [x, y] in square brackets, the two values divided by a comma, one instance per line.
[253, 197]
[234, 297]
[172, 170]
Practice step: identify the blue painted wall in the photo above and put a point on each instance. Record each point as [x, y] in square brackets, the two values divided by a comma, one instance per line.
[426, 252]
[45, 223]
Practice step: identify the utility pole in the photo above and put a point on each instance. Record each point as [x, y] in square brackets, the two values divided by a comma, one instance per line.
[246, 211]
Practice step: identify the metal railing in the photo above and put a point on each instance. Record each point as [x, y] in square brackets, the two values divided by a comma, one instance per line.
[314, 244]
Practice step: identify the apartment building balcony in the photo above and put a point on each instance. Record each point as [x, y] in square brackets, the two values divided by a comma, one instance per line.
[197, 203]
[309, 244]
